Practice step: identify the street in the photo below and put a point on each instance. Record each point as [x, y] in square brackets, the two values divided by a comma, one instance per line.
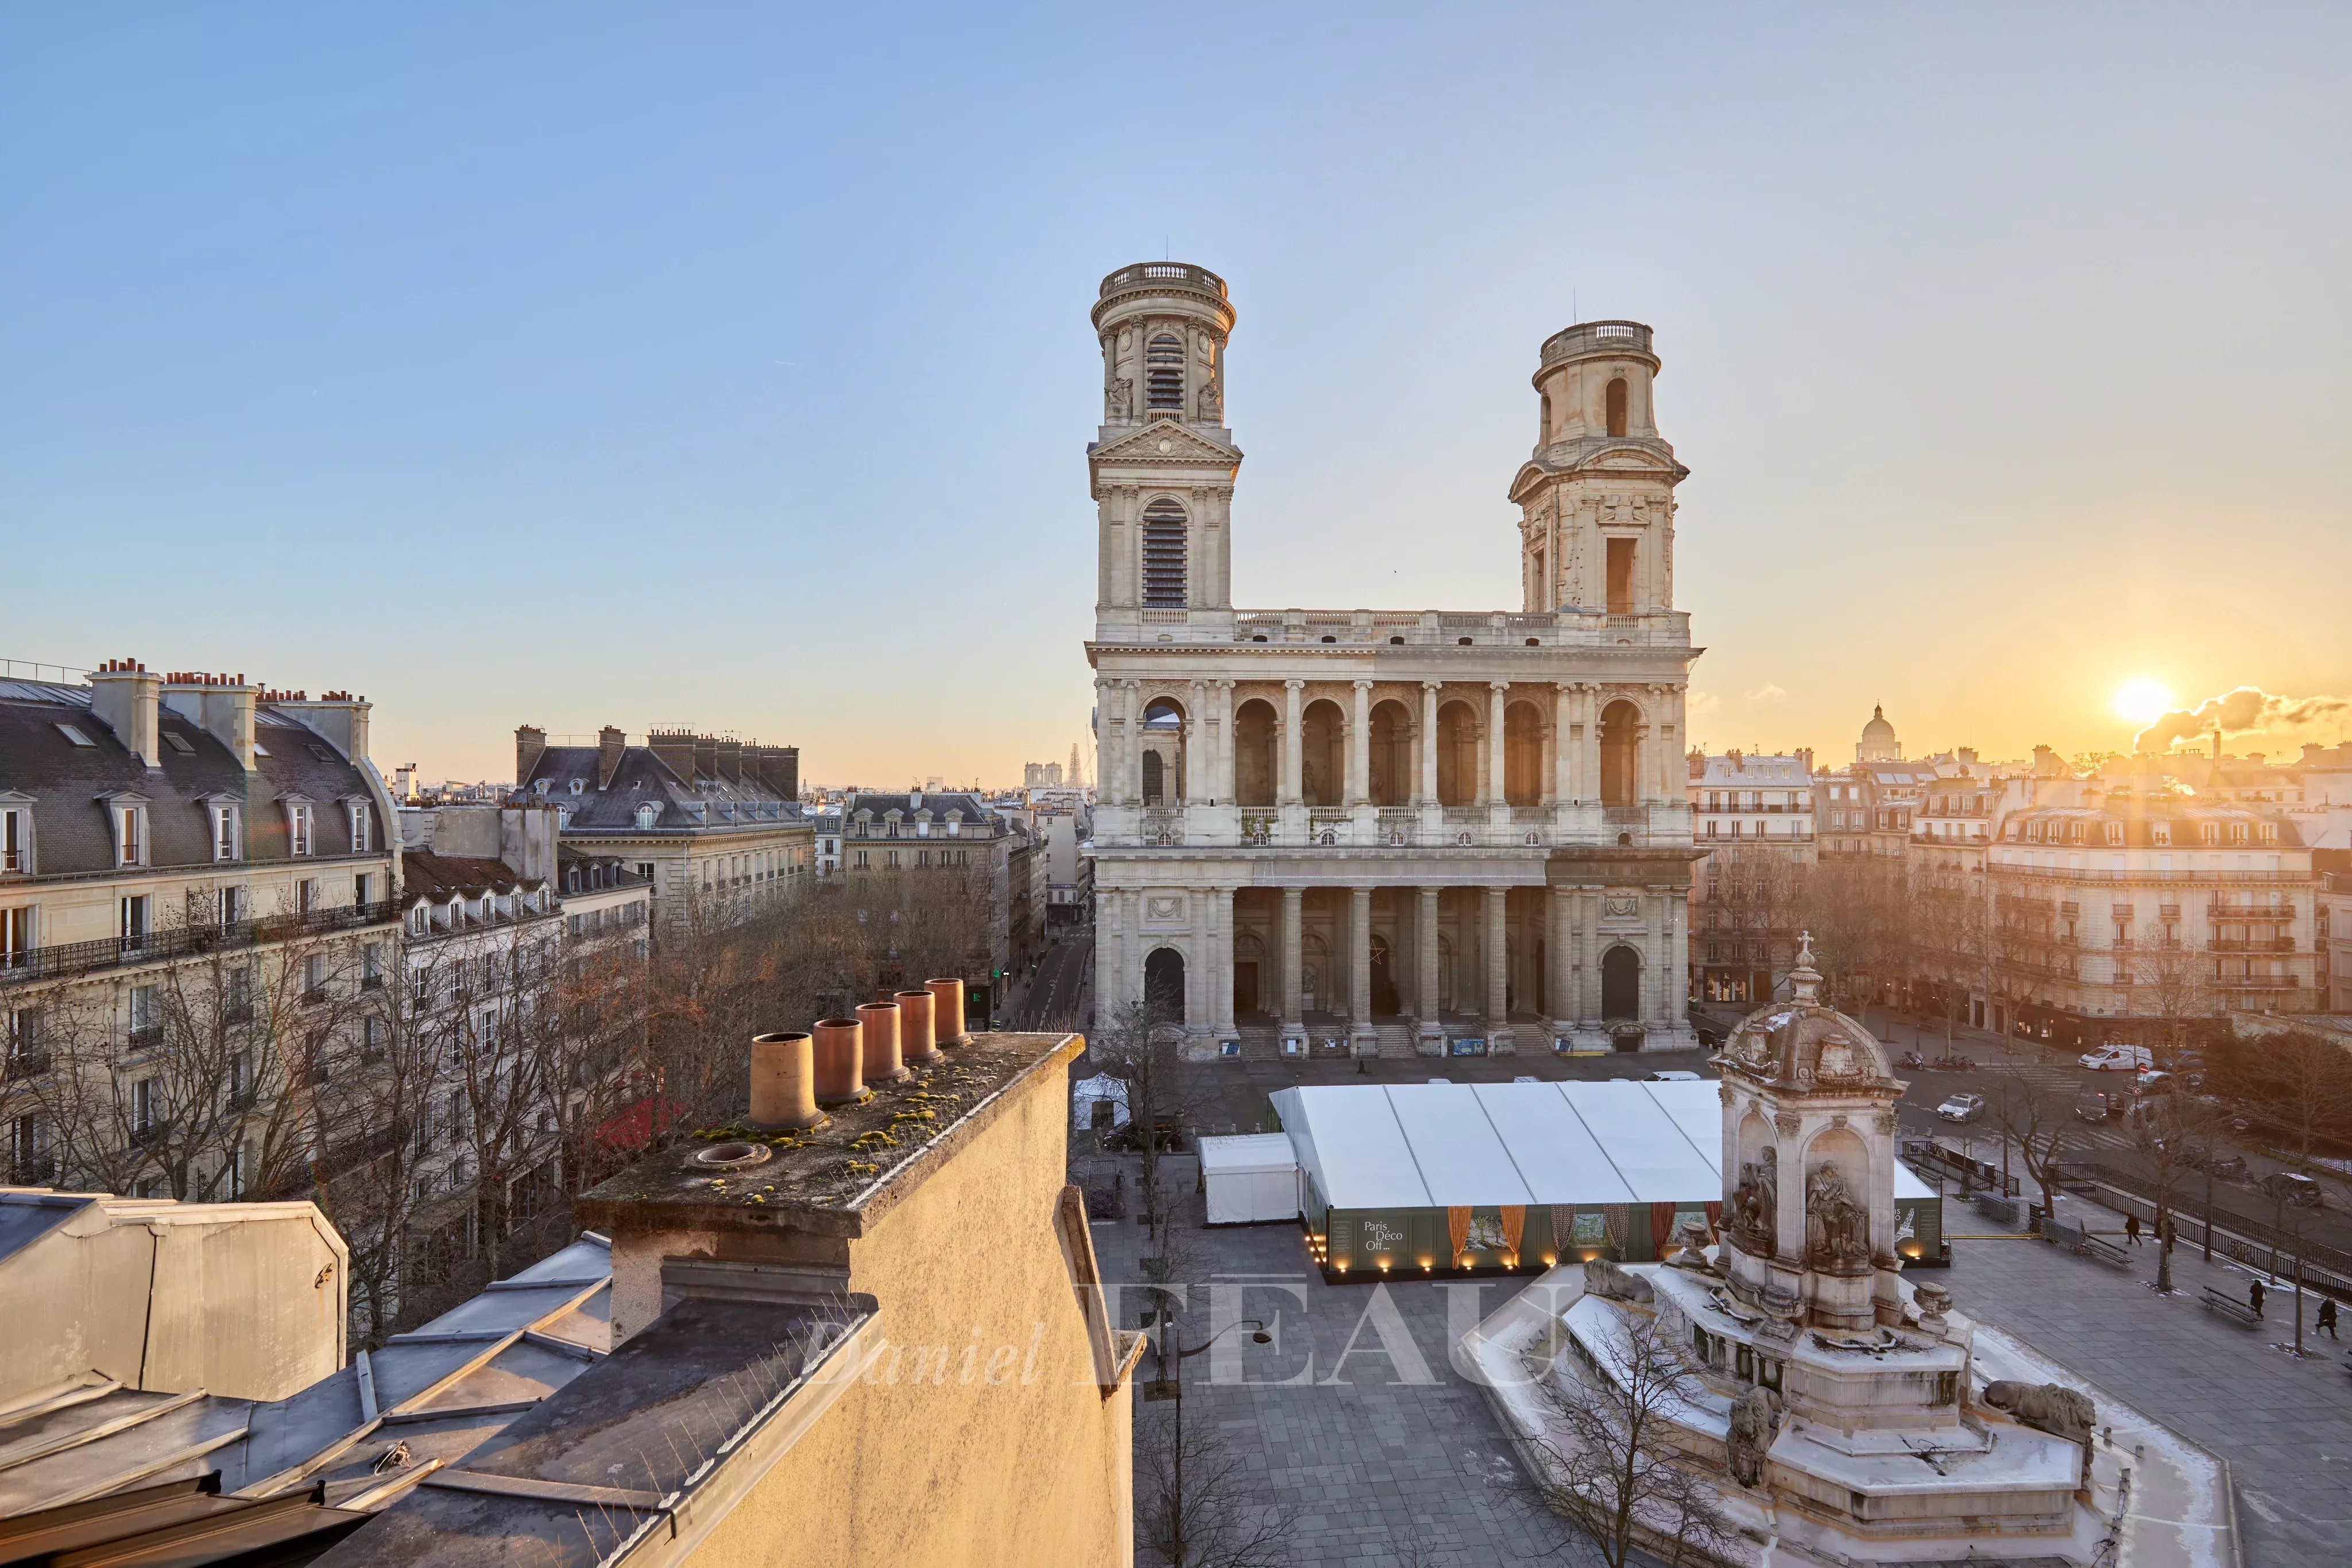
[1057, 992]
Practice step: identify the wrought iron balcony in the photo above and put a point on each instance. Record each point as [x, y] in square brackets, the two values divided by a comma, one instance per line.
[68, 958]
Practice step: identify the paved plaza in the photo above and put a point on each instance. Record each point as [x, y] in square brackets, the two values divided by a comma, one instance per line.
[1383, 1468]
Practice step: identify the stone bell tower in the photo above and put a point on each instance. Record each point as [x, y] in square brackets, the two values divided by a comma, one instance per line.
[1162, 464]
[1597, 496]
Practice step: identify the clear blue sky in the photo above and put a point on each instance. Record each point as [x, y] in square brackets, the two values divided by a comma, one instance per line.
[730, 367]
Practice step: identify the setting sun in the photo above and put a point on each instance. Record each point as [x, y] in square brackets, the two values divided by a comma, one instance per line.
[2143, 701]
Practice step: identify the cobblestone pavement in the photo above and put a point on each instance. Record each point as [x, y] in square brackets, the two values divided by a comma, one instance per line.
[2285, 1426]
[1374, 1471]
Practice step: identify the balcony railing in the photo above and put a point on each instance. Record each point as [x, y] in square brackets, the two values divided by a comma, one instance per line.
[67, 958]
[2258, 945]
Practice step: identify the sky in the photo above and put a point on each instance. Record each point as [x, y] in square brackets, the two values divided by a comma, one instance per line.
[728, 366]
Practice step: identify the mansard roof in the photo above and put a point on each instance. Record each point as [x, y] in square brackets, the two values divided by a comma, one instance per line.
[642, 777]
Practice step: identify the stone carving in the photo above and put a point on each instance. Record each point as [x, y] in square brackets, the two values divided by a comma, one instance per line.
[2050, 1407]
[1116, 398]
[1934, 1301]
[1837, 1229]
[1787, 1123]
[1209, 403]
[1750, 1435]
[1755, 1204]
[1691, 1253]
[1607, 1280]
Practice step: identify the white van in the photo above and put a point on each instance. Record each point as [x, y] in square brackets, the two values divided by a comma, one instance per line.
[2118, 1058]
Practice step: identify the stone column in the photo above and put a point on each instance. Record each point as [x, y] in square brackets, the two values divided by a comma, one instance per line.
[1427, 794]
[1221, 943]
[1294, 913]
[1563, 979]
[1107, 962]
[1566, 784]
[1134, 949]
[1654, 962]
[1292, 741]
[1111, 743]
[1131, 756]
[1360, 746]
[1498, 695]
[1359, 961]
[1677, 917]
[1645, 767]
[1196, 745]
[1228, 749]
[1425, 954]
[1498, 972]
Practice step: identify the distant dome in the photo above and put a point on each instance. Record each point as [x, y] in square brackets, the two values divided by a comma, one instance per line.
[1805, 1044]
[1878, 743]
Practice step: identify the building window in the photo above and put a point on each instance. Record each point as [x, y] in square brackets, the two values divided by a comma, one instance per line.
[16, 935]
[1615, 400]
[129, 835]
[362, 828]
[225, 832]
[16, 841]
[138, 917]
[1163, 373]
[1165, 528]
[306, 895]
[646, 815]
[298, 820]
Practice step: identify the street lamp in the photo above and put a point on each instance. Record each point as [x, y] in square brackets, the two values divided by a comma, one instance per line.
[1165, 1388]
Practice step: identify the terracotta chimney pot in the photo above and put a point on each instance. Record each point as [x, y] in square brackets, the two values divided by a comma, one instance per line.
[916, 1046]
[784, 1082]
[946, 1012]
[839, 1050]
[880, 1021]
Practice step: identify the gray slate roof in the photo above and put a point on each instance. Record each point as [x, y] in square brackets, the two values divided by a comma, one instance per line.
[642, 777]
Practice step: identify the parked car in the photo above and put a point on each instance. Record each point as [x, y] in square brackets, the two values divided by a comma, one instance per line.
[2096, 1105]
[2118, 1058]
[2224, 1167]
[2155, 1080]
[1675, 1075]
[2292, 1186]
[1961, 1108]
[1913, 1063]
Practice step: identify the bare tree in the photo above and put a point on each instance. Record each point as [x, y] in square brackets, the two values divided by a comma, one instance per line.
[2039, 1122]
[1140, 1045]
[1614, 1472]
[2299, 1080]
[2172, 1133]
[1196, 1503]
[2173, 980]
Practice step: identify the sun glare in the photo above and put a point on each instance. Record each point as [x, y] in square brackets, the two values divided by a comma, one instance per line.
[2143, 701]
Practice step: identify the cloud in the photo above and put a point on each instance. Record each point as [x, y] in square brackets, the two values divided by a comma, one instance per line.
[1700, 702]
[2238, 712]
[1766, 693]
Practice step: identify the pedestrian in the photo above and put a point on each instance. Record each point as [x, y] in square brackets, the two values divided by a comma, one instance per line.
[2131, 1229]
[2327, 1316]
[2255, 1294]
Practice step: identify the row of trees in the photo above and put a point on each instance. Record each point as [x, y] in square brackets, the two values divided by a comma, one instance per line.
[442, 1098]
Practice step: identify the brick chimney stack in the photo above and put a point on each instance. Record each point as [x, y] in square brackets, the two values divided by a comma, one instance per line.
[610, 743]
[531, 744]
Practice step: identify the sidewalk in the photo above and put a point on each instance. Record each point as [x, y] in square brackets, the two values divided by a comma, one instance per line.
[2285, 1426]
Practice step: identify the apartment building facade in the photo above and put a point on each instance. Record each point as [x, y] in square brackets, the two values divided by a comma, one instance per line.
[199, 883]
[1753, 817]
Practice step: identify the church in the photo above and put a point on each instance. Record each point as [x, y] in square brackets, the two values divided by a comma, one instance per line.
[1386, 832]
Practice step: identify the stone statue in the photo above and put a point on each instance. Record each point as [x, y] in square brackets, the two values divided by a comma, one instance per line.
[1607, 1280]
[1209, 402]
[1837, 1229]
[1756, 1203]
[1750, 1435]
[1691, 1253]
[2050, 1407]
[1115, 399]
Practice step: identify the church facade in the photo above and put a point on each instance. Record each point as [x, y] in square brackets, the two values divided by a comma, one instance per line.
[1386, 831]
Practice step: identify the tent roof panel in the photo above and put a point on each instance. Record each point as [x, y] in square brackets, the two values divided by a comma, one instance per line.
[1461, 1156]
[1247, 1152]
[1649, 1150]
[1355, 1149]
[1557, 1155]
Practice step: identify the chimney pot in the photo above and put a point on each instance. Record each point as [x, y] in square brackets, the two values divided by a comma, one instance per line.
[880, 1023]
[916, 1045]
[784, 1082]
[946, 1012]
[839, 1054]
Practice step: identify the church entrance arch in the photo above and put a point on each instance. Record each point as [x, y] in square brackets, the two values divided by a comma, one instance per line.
[1163, 983]
[1620, 984]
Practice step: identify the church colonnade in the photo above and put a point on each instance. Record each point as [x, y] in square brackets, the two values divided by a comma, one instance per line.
[1363, 742]
[1582, 959]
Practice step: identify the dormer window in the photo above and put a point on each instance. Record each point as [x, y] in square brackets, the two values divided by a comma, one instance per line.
[17, 837]
[539, 787]
[2237, 832]
[578, 784]
[2160, 832]
[2269, 833]
[226, 839]
[127, 816]
[362, 828]
[2114, 832]
[301, 839]
[2208, 833]
[418, 918]
[646, 815]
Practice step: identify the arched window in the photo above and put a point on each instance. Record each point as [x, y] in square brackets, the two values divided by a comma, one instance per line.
[1164, 530]
[1543, 421]
[1619, 723]
[646, 815]
[1155, 785]
[1616, 406]
[1163, 373]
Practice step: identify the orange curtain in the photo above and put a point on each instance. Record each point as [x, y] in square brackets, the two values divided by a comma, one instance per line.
[1515, 1225]
[1457, 1226]
[1714, 1219]
[1662, 1227]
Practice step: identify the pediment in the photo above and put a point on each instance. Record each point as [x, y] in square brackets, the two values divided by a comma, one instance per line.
[1163, 441]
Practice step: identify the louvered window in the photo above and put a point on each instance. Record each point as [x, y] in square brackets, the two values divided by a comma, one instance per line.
[1163, 372]
[1163, 554]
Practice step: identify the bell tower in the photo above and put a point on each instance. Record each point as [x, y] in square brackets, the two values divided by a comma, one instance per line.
[1162, 464]
[1597, 496]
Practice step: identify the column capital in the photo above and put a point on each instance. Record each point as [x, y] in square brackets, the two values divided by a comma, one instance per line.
[1223, 685]
[1431, 685]
[1362, 684]
[1499, 685]
[1295, 684]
